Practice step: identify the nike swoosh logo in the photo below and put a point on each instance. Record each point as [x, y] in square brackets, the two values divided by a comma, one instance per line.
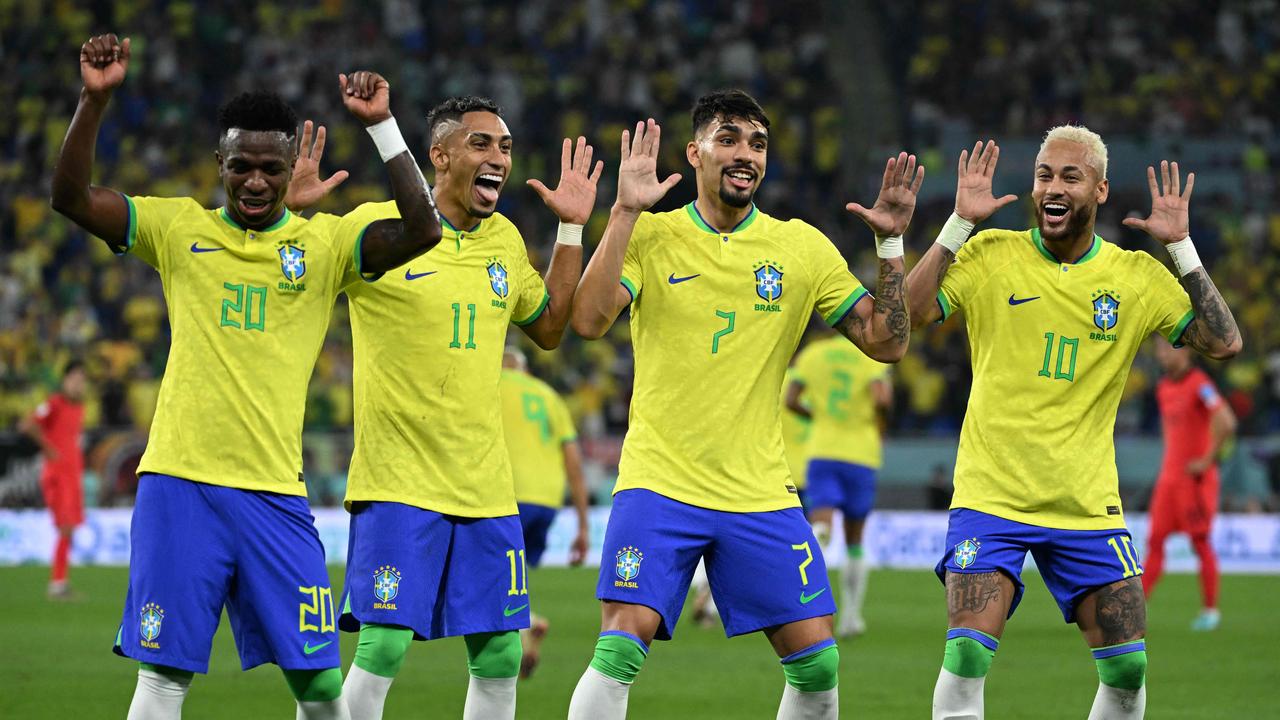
[805, 598]
[509, 611]
[307, 649]
[410, 276]
[676, 280]
[1018, 301]
[195, 248]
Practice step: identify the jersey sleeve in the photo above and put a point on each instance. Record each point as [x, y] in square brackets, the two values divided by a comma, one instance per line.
[531, 291]
[963, 277]
[561, 421]
[1168, 306]
[835, 289]
[148, 234]
[632, 269]
[347, 233]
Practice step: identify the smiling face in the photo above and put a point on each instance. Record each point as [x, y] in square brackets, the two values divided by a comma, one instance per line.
[256, 167]
[1067, 191]
[729, 155]
[472, 158]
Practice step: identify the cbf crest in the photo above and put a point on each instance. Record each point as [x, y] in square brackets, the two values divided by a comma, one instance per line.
[150, 622]
[967, 553]
[386, 584]
[292, 262]
[768, 280]
[1106, 309]
[498, 278]
[628, 566]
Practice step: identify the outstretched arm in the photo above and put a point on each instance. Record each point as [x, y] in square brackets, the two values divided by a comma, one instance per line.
[974, 203]
[572, 201]
[600, 295]
[104, 61]
[1213, 331]
[390, 243]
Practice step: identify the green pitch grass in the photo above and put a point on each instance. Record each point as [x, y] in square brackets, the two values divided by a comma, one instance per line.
[56, 660]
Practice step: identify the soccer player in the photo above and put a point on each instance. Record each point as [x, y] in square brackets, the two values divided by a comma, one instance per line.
[1055, 315]
[1195, 423]
[543, 446]
[55, 426]
[436, 548]
[845, 390]
[221, 517]
[720, 294]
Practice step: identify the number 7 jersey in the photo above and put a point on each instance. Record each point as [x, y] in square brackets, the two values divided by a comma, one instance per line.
[715, 318]
[1051, 347]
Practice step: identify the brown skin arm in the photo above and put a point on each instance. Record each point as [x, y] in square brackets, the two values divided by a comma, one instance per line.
[1222, 425]
[881, 328]
[561, 280]
[923, 284]
[578, 495]
[794, 391]
[103, 212]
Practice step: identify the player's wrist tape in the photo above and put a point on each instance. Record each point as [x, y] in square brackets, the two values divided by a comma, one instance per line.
[890, 247]
[569, 234]
[386, 136]
[955, 233]
[1185, 257]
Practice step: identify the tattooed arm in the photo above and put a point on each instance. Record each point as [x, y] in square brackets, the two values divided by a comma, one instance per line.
[923, 283]
[1213, 331]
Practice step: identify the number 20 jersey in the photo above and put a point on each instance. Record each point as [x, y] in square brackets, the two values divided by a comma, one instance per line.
[715, 318]
[1051, 347]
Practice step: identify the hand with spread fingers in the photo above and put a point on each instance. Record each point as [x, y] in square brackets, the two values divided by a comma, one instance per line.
[367, 95]
[306, 188]
[104, 61]
[1169, 221]
[638, 185]
[974, 199]
[575, 195]
[896, 203]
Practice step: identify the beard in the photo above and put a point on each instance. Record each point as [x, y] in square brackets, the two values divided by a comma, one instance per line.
[735, 198]
[1078, 225]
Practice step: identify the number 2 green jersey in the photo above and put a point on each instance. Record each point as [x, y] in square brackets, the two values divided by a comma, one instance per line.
[715, 318]
[1051, 348]
[837, 379]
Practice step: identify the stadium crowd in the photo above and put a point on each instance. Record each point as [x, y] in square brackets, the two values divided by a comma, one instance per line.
[591, 67]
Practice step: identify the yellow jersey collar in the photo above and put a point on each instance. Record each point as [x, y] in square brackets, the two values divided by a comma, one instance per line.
[696, 217]
[1044, 251]
[226, 217]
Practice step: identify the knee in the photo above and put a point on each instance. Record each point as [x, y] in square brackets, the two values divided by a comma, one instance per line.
[814, 669]
[619, 655]
[315, 685]
[494, 655]
[969, 652]
[381, 649]
[1122, 666]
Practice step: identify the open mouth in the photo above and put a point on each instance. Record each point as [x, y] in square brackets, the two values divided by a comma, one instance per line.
[1055, 213]
[740, 178]
[253, 206]
[487, 187]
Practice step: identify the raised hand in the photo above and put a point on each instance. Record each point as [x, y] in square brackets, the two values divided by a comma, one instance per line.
[1169, 221]
[974, 201]
[306, 188]
[367, 95]
[104, 60]
[638, 185]
[897, 199]
[575, 194]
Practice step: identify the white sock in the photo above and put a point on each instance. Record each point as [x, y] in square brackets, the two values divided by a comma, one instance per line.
[158, 696]
[490, 699]
[854, 575]
[365, 693]
[335, 709]
[599, 697]
[798, 705]
[1118, 704]
[957, 698]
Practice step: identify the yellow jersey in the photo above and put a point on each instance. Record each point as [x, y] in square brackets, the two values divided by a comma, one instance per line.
[715, 318]
[795, 436]
[837, 380]
[248, 312]
[1051, 347]
[428, 345]
[537, 426]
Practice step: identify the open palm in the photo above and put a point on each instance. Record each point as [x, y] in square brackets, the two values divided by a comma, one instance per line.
[974, 199]
[896, 202]
[1169, 221]
[575, 195]
[306, 188]
[638, 186]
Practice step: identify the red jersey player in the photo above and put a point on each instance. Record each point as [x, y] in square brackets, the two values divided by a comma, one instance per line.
[55, 427]
[1195, 423]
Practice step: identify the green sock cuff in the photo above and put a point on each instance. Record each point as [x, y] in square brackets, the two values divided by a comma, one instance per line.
[381, 649]
[619, 656]
[315, 685]
[855, 551]
[818, 672]
[967, 657]
[1127, 671]
[494, 655]
[172, 672]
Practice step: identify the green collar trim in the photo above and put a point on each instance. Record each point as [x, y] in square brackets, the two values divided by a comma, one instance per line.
[696, 217]
[226, 216]
[1093, 249]
[449, 226]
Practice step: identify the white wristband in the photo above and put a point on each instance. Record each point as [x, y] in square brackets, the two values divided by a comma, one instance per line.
[386, 136]
[890, 247]
[569, 234]
[1185, 257]
[955, 233]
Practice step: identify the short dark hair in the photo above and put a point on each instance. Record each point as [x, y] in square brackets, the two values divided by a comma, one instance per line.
[455, 107]
[72, 366]
[258, 110]
[727, 104]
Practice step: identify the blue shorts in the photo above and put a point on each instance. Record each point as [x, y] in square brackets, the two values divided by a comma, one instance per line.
[439, 575]
[1073, 563]
[536, 521]
[194, 548]
[838, 484]
[765, 568]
